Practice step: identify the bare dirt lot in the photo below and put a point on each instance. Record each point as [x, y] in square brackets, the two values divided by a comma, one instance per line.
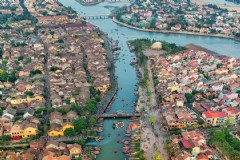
[230, 8]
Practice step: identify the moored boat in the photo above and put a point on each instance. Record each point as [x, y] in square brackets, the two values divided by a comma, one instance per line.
[113, 125]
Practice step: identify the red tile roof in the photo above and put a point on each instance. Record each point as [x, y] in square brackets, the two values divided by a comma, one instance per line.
[186, 143]
[231, 110]
[202, 157]
[214, 114]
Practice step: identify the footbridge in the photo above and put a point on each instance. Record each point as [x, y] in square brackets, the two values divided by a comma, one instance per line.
[119, 115]
[103, 16]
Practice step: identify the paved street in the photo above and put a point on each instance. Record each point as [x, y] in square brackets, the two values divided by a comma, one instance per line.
[155, 133]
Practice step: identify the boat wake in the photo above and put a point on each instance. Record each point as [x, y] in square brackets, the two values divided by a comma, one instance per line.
[102, 142]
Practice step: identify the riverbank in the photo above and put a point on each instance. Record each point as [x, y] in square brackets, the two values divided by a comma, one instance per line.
[173, 32]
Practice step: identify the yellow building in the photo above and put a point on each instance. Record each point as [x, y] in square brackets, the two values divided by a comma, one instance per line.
[174, 88]
[23, 130]
[58, 130]
[18, 101]
[72, 100]
[103, 89]
[29, 130]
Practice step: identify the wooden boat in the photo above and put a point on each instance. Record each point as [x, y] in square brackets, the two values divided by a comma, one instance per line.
[100, 129]
[99, 138]
[99, 125]
[126, 142]
[100, 120]
[97, 148]
[113, 125]
[96, 152]
[127, 135]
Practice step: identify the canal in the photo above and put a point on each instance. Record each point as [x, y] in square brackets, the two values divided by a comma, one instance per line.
[127, 78]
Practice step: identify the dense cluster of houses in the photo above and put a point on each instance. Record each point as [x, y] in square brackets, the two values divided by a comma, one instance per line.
[22, 83]
[46, 150]
[181, 16]
[190, 145]
[197, 89]
[59, 59]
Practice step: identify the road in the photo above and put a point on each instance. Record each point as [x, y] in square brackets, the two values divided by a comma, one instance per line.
[156, 130]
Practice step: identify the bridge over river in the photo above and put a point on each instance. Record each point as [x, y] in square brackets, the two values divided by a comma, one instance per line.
[119, 115]
[101, 16]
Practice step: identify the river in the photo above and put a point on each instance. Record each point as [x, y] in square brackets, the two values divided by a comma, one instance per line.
[127, 78]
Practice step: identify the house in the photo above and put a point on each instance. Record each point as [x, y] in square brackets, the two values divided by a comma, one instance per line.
[52, 144]
[29, 112]
[28, 156]
[58, 130]
[71, 116]
[214, 118]
[29, 130]
[202, 157]
[217, 87]
[17, 131]
[232, 113]
[75, 150]
[9, 113]
[221, 71]
[38, 144]
[50, 157]
[177, 27]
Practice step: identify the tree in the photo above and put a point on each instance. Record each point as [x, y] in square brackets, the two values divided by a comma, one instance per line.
[5, 138]
[152, 119]
[69, 132]
[238, 92]
[157, 156]
[92, 121]
[80, 124]
[75, 107]
[1, 111]
[80, 141]
[29, 93]
[190, 98]
[53, 68]
[91, 105]
[79, 158]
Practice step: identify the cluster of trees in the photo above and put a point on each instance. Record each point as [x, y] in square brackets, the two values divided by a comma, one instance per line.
[83, 125]
[228, 145]
[17, 44]
[5, 76]
[213, 6]
[190, 97]
[59, 41]
[237, 35]
[34, 72]
[171, 47]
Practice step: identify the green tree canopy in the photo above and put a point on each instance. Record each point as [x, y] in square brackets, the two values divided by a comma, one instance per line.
[69, 132]
[80, 124]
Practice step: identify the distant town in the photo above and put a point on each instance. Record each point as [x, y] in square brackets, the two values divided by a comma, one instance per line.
[181, 16]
